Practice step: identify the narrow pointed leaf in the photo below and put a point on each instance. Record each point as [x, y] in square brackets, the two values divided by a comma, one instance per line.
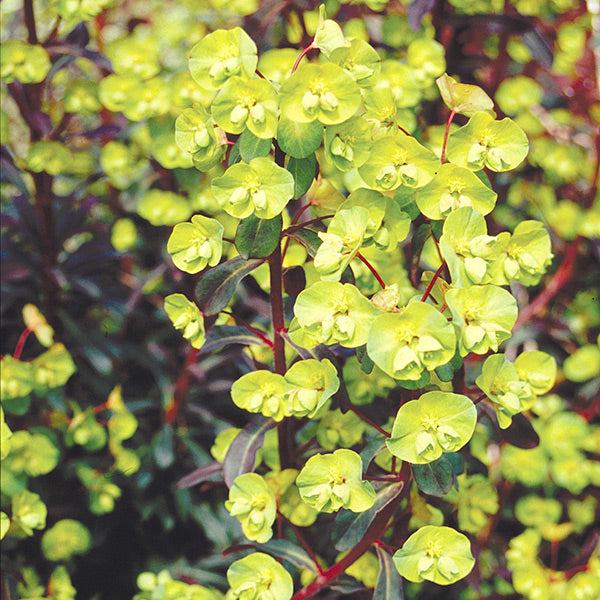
[219, 336]
[371, 450]
[434, 478]
[291, 552]
[303, 170]
[258, 238]
[217, 286]
[389, 582]
[201, 474]
[241, 456]
[308, 238]
[351, 527]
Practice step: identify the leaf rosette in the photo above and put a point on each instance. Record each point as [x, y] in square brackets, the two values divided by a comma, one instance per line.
[221, 55]
[259, 187]
[435, 423]
[484, 316]
[485, 142]
[438, 554]
[310, 383]
[254, 506]
[407, 343]
[454, 187]
[330, 312]
[186, 316]
[195, 245]
[259, 576]
[398, 160]
[325, 93]
[328, 482]
[261, 392]
[247, 103]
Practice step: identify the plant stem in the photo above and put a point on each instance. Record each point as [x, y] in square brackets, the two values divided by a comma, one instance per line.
[372, 269]
[302, 55]
[29, 17]
[182, 386]
[432, 283]
[285, 428]
[21, 342]
[363, 417]
[250, 328]
[303, 542]
[443, 156]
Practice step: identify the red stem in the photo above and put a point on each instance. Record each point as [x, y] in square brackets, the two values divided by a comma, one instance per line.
[302, 55]
[443, 156]
[250, 328]
[29, 17]
[303, 542]
[181, 387]
[21, 342]
[432, 283]
[364, 418]
[372, 269]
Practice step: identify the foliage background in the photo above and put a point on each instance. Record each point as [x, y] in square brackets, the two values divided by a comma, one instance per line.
[104, 297]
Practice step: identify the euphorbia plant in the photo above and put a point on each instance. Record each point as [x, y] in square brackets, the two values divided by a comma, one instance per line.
[283, 140]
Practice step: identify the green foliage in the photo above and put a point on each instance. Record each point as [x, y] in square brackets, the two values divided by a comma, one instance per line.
[356, 253]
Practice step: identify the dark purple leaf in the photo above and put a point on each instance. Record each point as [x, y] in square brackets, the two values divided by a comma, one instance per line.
[207, 472]
[389, 582]
[435, 478]
[415, 12]
[520, 433]
[241, 455]
[224, 335]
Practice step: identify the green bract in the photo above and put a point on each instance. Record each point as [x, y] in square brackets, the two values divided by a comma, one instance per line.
[359, 59]
[524, 256]
[221, 55]
[251, 104]
[186, 316]
[52, 368]
[28, 63]
[32, 453]
[406, 344]
[500, 381]
[196, 135]
[195, 245]
[261, 391]
[483, 315]
[348, 144]
[253, 504]
[341, 243]
[467, 249]
[538, 369]
[438, 554]
[64, 539]
[329, 482]
[319, 92]
[337, 429]
[462, 97]
[331, 312]
[259, 576]
[398, 160]
[484, 142]
[437, 422]
[28, 512]
[310, 383]
[259, 187]
[454, 187]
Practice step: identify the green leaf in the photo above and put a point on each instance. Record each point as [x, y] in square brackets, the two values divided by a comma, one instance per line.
[291, 553]
[389, 582]
[351, 527]
[219, 336]
[435, 478]
[299, 139]
[309, 239]
[217, 286]
[463, 98]
[241, 455]
[252, 146]
[371, 450]
[304, 171]
[258, 238]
